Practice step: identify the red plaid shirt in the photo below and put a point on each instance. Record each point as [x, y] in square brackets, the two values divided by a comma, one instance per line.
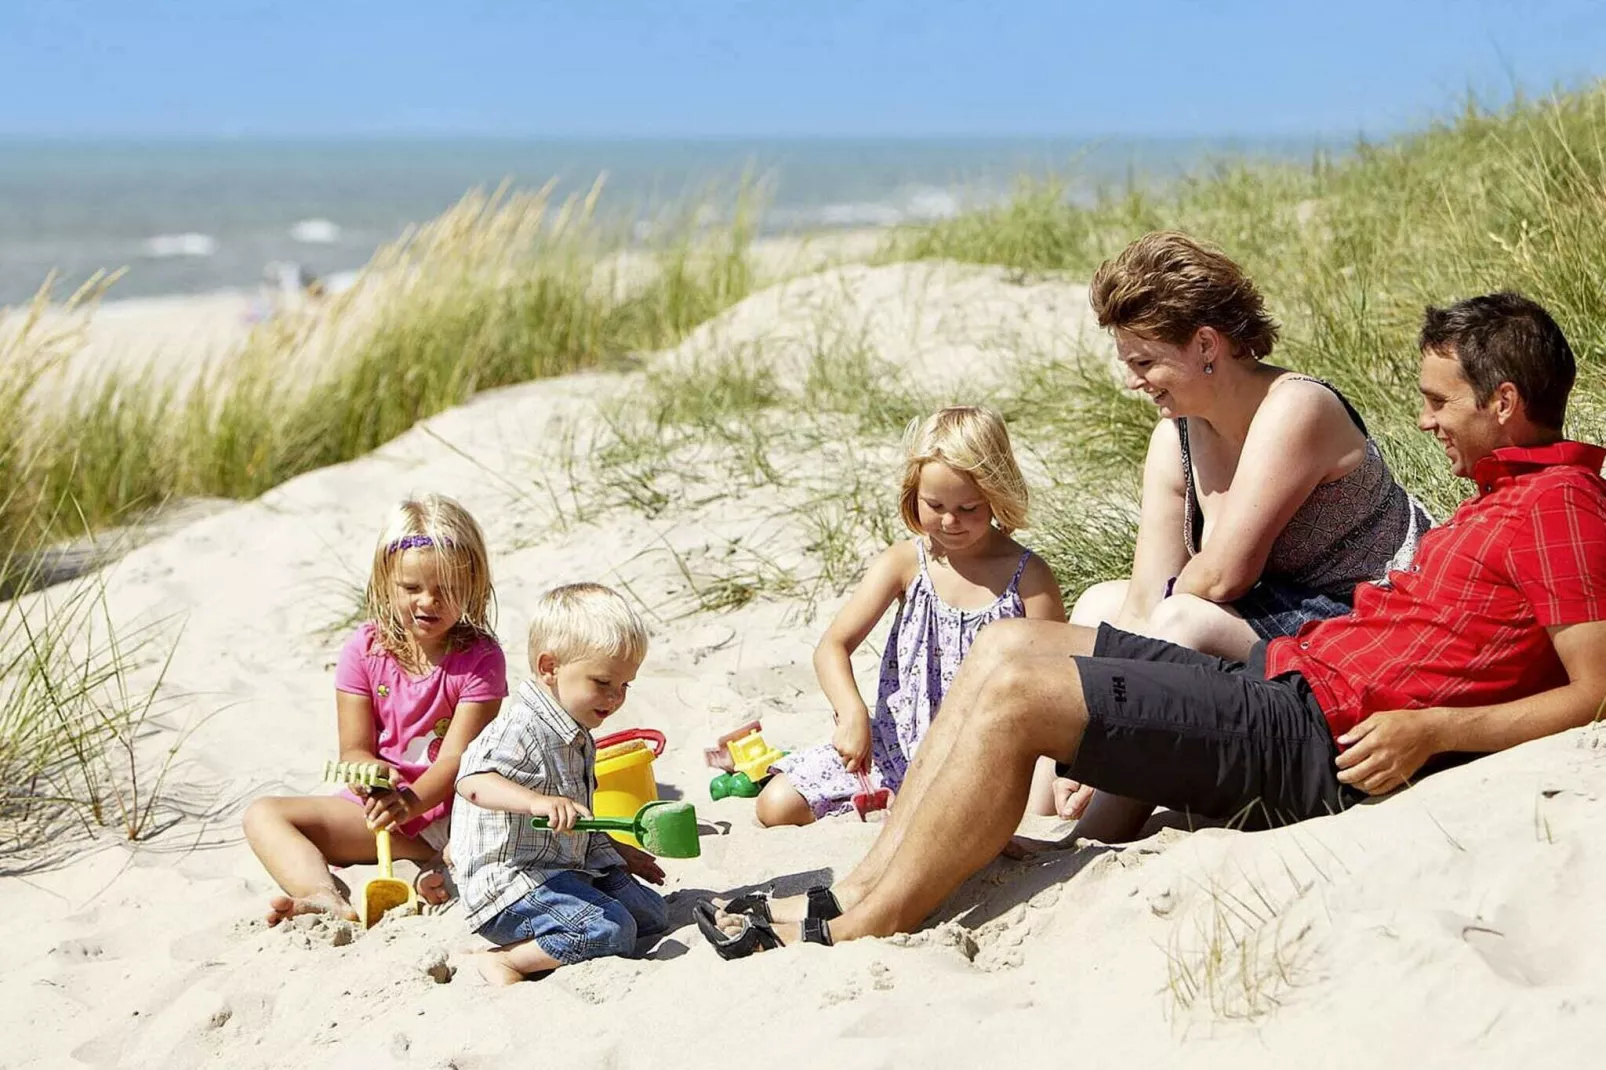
[1465, 625]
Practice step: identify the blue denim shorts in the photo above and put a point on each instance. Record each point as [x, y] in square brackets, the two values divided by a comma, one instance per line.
[574, 916]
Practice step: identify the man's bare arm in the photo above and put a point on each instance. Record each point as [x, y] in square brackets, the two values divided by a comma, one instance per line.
[1386, 750]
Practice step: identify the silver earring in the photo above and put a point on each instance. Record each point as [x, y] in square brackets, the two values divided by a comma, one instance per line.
[1210, 369]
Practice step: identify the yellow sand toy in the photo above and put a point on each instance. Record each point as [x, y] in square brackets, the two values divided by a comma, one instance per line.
[625, 780]
[749, 753]
[385, 892]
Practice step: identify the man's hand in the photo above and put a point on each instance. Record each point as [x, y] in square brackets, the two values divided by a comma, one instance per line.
[560, 813]
[640, 863]
[852, 741]
[388, 809]
[1385, 750]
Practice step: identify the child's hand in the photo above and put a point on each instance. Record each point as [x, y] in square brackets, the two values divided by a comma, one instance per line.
[852, 741]
[560, 813]
[640, 863]
[362, 791]
[388, 809]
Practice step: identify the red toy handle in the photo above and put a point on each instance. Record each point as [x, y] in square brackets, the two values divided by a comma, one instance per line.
[649, 735]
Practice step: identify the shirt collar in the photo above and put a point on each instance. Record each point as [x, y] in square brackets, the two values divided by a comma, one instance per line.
[1509, 462]
[551, 714]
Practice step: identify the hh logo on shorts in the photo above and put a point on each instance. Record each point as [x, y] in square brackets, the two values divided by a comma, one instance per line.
[1118, 688]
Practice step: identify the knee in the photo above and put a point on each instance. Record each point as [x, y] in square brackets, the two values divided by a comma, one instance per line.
[616, 933]
[999, 644]
[1099, 603]
[261, 816]
[1007, 690]
[651, 915]
[1183, 619]
[781, 804]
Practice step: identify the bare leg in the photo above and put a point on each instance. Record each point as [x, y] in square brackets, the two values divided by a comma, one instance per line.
[998, 649]
[298, 837]
[1202, 625]
[513, 963]
[781, 804]
[1099, 604]
[1028, 705]
[1041, 799]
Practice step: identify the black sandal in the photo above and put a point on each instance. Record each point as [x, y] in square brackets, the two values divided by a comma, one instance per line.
[756, 934]
[823, 905]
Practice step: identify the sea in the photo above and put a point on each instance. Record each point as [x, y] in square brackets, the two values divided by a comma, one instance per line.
[199, 216]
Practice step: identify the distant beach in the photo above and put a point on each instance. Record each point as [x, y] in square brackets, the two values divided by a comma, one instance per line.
[188, 216]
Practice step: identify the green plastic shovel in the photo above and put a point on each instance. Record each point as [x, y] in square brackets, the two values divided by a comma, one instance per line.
[665, 828]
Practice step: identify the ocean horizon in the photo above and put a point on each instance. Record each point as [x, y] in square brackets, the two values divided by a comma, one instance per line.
[186, 215]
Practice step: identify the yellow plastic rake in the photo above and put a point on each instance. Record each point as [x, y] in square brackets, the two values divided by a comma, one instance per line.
[385, 892]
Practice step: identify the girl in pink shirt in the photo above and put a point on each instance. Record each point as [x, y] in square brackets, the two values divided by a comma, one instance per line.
[416, 683]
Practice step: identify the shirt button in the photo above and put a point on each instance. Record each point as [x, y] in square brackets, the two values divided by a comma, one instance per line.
[1488, 488]
[1304, 646]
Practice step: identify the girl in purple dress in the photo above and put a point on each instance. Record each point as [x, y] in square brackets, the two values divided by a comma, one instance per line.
[962, 496]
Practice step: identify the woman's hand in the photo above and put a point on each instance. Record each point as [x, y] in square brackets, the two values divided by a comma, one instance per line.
[388, 809]
[640, 863]
[561, 813]
[1071, 798]
[852, 742]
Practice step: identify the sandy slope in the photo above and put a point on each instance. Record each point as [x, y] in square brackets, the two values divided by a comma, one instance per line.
[1452, 925]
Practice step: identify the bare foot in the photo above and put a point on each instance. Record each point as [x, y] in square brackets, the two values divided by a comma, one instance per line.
[495, 968]
[281, 907]
[794, 909]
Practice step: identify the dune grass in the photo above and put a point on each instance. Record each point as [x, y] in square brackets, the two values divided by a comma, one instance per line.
[503, 288]
[1348, 250]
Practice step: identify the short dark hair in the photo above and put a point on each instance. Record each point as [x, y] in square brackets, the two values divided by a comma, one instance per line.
[1506, 338]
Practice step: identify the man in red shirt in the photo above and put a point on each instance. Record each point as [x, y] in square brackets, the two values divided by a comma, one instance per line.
[1495, 635]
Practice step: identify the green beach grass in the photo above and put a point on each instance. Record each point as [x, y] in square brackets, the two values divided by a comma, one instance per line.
[510, 287]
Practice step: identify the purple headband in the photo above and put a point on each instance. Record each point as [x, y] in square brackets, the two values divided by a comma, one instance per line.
[415, 542]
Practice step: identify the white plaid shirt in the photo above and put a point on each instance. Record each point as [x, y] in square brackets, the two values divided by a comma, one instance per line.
[498, 857]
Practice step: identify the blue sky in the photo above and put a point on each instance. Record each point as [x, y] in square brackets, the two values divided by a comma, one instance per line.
[781, 68]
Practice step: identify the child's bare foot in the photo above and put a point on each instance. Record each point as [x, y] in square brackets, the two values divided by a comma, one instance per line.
[496, 969]
[281, 907]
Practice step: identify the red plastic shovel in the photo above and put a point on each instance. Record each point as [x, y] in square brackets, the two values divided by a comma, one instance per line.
[868, 800]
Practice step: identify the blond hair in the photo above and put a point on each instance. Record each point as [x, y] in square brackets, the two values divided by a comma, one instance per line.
[1166, 285]
[973, 441]
[439, 524]
[586, 620]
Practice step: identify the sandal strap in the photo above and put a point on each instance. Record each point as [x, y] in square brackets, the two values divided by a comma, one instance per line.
[753, 904]
[756, 934]
[823, 903]
[816, 931]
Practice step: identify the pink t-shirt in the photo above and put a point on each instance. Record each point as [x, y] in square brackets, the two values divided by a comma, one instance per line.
[411, 713]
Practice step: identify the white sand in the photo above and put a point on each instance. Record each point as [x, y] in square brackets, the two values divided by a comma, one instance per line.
[1454, 925]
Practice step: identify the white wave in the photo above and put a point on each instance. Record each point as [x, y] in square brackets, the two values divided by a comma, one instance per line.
[315, 232]
[916, 204]
[167, 246]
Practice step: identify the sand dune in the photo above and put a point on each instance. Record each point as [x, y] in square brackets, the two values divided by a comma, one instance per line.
[1452, 925]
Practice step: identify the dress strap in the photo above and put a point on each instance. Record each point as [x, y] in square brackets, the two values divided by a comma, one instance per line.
[1354, 414]
[1192, 515]
[1020, 569]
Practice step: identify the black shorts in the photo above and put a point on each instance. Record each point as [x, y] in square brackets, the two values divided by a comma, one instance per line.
[1205, 735]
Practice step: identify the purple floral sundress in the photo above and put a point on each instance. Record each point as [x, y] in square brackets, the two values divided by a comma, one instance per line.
[928, 641]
